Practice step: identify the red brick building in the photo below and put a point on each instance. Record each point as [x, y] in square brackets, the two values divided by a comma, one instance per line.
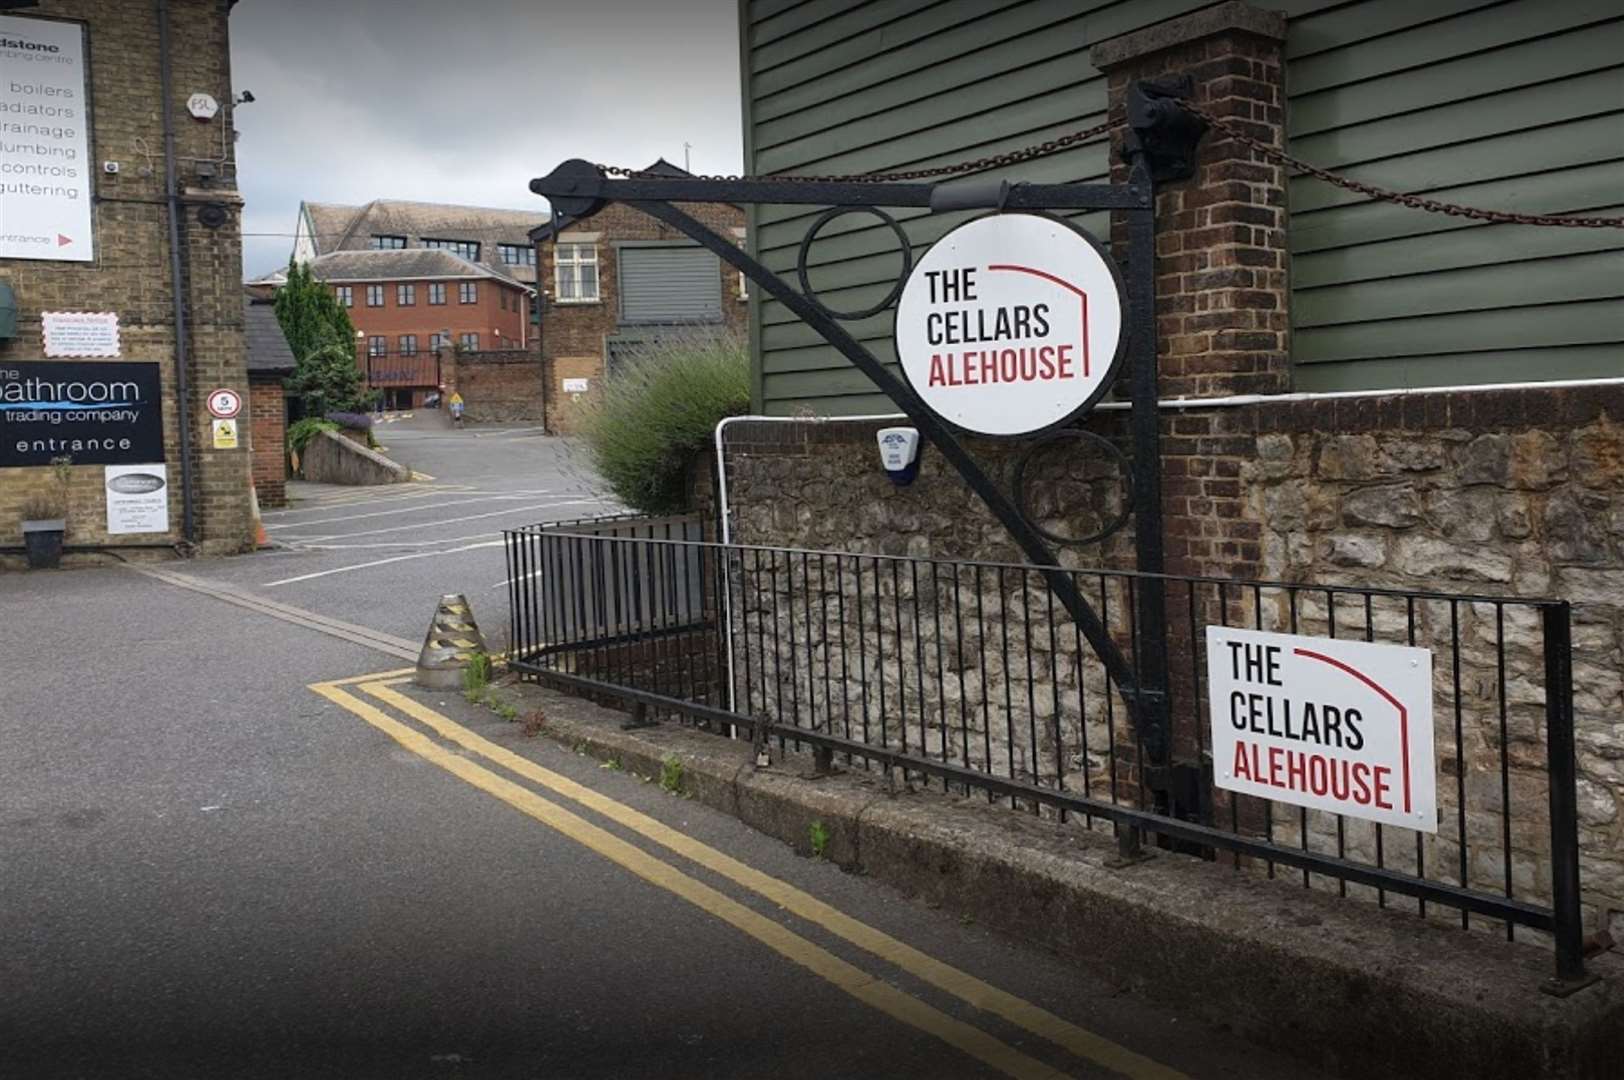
[408, 304]
[618, 280]
[270, 361]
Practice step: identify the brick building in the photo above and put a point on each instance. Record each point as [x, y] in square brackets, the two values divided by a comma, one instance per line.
[407, 305]
[135, 77]
[270, 361]
[619, 280]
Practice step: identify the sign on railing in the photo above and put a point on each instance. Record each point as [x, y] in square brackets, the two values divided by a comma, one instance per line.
[1343, 726]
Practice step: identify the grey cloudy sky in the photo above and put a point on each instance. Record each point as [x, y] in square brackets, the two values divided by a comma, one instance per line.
[465, 101]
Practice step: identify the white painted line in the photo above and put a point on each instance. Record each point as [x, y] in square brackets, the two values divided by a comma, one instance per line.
[324, 504]
[445, 521]
[395, 543]
[382, 562]
[395, 510]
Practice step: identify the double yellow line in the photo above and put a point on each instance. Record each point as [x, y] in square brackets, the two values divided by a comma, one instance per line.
[793, 947]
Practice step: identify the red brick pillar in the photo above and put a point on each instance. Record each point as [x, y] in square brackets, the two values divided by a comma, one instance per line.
[1221, 299]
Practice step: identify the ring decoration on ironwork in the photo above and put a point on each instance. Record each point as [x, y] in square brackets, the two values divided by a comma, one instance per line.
[1023, 504]
[806, 247]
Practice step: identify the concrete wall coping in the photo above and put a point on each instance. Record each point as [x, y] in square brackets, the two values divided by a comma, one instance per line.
[1227, 18]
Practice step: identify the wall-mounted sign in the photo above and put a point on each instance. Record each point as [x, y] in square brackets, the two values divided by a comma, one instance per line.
[224, 403]
[96, 412]
[80, 333]
[137, 499]
[45, 210]
[1010, 324]
[1343, 726]
[202, 106]
[225, 434]
[576, 386]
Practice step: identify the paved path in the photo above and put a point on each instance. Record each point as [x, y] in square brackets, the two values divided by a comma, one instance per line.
[225, 853]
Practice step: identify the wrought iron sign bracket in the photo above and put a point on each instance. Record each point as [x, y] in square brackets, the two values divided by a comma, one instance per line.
[1160, 132]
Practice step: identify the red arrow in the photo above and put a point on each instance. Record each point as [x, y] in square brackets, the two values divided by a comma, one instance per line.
[63, 241]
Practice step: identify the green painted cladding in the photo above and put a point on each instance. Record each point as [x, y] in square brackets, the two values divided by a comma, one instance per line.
[1516, 105]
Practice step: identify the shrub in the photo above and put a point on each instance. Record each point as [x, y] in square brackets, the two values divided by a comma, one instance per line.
[300, 432]
[660, 410]
[354, 421]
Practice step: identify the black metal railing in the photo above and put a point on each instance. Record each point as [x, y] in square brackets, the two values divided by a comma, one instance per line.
[967, 674]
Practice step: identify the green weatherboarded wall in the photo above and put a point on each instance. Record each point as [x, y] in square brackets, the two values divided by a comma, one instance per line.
[1518, 105]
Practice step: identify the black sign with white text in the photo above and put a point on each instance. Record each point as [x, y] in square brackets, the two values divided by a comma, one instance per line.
[95, 413]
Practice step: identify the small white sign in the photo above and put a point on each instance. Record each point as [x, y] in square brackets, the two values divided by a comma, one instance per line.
[137, 499]
[80, 333]
[45, 210]
[1329, 724]
[202, 106]
[1010, 324]
[225, 403]
[576, 386]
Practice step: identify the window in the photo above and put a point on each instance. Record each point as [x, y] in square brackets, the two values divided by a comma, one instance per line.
[577, 273]
[405, 295]
[374, 296]
[468, 292]
[436, 342]
[436, 292]
[503, 294]
[377, 346]
[388, 243]
[517, 254]
[468, 249]
[468, 341]
[408, 344]
[346, 296]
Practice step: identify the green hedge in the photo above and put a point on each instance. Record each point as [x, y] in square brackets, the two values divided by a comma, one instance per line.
[661, 409]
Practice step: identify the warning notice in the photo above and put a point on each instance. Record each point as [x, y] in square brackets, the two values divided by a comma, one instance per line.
[1010, 324]
[1344, 726]
[45, 199]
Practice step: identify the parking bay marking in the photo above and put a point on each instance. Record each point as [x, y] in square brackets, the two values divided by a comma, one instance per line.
[788, 944]
[1078, 1040]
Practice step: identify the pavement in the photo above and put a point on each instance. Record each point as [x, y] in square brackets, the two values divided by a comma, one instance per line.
[233, 845]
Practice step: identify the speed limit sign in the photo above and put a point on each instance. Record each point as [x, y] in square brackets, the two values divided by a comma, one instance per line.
[225, 404]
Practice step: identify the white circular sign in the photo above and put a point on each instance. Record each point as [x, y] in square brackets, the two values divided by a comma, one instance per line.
[202, 106]
[225, 403]
[1010, 324]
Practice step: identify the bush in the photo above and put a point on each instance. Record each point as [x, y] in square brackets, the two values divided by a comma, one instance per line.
[300, 432]
[354, 421]
[660, 410]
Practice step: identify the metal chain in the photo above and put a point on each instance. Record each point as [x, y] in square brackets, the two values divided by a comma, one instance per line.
[1013, 157]
[1415, 202]
[1218, 123]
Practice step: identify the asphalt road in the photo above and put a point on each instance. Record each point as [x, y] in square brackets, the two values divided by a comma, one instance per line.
[213, 863]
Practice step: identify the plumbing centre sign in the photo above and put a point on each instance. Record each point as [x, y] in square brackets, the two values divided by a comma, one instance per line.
[1011, 324]
[1343, 726]
[45, 210]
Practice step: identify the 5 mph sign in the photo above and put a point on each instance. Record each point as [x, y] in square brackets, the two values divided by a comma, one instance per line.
[1010, 324]
[1344, 726]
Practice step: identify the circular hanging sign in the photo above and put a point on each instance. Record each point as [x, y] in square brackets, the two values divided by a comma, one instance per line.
[1011, 324]
[225, 403]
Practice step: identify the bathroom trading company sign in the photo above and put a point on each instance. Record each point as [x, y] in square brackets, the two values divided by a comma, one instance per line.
[97, 413]
[1011, 324]
[1343, 726]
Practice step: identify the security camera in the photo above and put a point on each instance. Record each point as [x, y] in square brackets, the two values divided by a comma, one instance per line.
[244, 98]
[110, 168]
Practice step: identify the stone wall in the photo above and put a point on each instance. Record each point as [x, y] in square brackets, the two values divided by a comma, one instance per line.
[335, 458]
[1497, 493]
[131, 272]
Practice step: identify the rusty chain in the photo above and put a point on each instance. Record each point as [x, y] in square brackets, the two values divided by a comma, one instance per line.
[1217, 123]
[1414, 202]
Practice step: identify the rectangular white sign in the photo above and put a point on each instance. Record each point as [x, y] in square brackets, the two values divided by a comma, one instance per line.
[1337, 725]
[45, 166]
[137, 499]
[80, 333]
[576, 386]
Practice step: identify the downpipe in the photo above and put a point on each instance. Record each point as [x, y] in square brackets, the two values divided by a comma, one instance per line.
[177, 277]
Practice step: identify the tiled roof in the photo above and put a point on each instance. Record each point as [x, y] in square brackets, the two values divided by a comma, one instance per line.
[351, 228]
[268, 352]
[404, 265]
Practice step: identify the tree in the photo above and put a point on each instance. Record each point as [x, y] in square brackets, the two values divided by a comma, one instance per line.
[322, 338]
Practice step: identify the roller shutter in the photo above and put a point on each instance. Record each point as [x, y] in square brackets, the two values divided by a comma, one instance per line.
[669, 285]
